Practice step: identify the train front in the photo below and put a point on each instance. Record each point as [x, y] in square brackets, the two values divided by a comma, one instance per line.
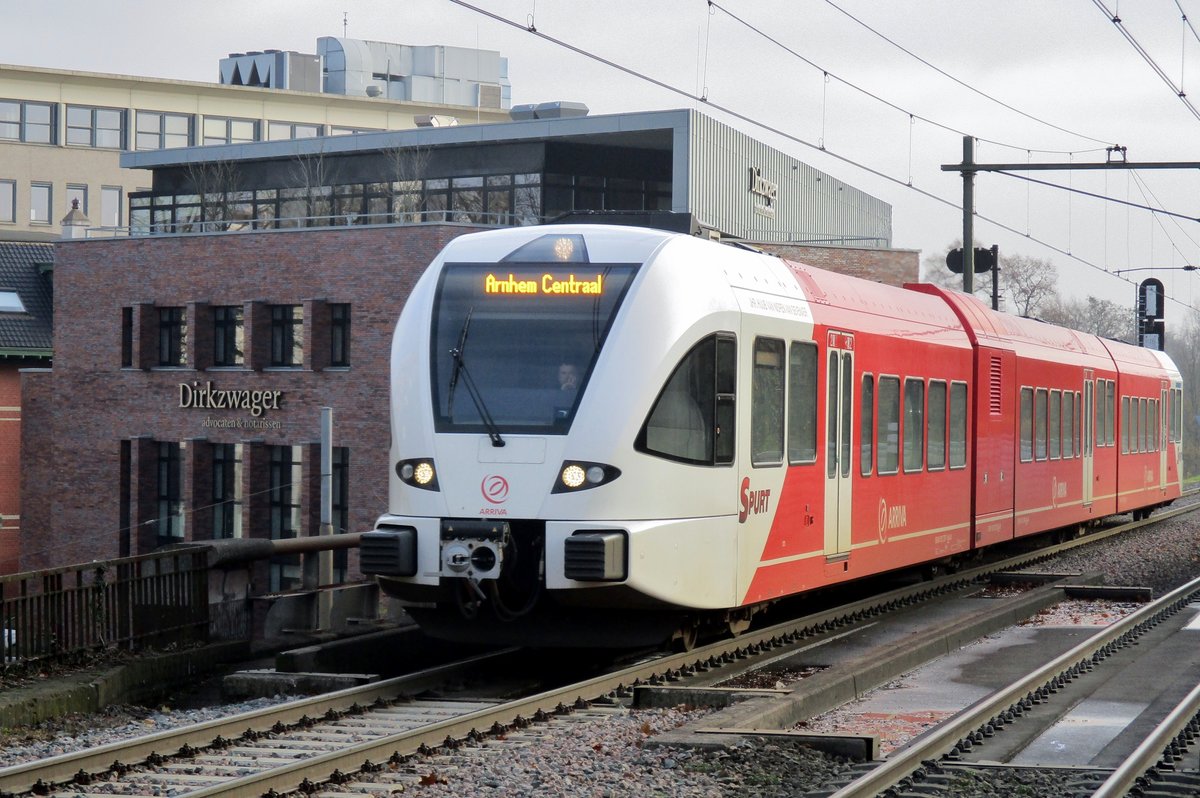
[494, 356]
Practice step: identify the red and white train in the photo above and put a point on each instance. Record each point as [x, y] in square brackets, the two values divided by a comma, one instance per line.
[604, 434]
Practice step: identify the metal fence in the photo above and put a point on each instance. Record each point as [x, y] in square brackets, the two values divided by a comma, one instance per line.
[153, 600]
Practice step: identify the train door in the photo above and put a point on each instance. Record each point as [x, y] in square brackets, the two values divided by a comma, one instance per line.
[1163, 436]
[1089, 434]
[839, 408]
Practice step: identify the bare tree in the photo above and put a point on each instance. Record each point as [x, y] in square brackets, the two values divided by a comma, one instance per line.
[1183, 345]
[934, 270]
[1091, 315]
[407, 166]
[1030, 282]
[312, 175]
[215, 183]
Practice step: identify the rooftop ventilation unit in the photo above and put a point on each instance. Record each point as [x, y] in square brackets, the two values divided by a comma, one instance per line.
[430, 120]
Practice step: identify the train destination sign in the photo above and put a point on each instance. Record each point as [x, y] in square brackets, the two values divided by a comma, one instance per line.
[546, 284]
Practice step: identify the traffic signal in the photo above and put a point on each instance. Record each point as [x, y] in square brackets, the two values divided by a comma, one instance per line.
[985, 259]
[1151, 298]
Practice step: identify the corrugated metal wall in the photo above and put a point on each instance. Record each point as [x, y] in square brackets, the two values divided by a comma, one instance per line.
[810, 206]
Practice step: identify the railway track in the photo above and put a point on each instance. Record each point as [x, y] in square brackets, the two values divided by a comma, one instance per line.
[320, 740]
[980, 731]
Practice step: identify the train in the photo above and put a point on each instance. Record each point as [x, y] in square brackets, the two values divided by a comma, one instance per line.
[607, 435]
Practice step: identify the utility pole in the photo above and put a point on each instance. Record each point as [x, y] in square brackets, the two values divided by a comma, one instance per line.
[968, 176]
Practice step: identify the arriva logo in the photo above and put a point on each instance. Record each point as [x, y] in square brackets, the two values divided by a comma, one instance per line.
[494, 488]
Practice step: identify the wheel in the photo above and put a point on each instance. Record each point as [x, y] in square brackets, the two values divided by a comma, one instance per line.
[686, 637]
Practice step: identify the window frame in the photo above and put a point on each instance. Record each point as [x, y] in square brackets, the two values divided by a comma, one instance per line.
[227, 321]
[866, 425]
[1025, 425]
[94, 129]
[24, 125]
[172, 337]
[931, 425]
[8, 191]
[34, 207]
[908, 444]
[162, 135]
[880, 450]
[764, 405]
[951, 429]
[287, 336]
[339, 334]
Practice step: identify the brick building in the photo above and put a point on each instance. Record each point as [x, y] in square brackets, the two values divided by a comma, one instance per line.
[25, 330]
[185, 395]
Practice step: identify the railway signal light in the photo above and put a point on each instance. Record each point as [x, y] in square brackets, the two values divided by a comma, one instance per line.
[1151, 298]
[985, 259]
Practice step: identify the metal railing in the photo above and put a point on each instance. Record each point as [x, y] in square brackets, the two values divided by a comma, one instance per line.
[152, 600]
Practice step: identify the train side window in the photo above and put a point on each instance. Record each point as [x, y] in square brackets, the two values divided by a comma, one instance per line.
[1055, 425]
[802, 403]
[766, 402]
[958, 425]
[1079, 424]
[1068, 425]
[1026, 425]
[887, 457]
[1124, 425]
[866, 430]
[935, 432]
[1039, 424]
[726, 399]
[914, 424]
[686, 423]
[1154, 425]
[1145, 427]
[1177, 415]
[1110, 407]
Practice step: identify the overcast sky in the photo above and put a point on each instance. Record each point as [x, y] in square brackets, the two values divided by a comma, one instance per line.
[1075, 83]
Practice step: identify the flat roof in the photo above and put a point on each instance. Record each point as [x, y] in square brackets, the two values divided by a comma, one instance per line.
[653, 130]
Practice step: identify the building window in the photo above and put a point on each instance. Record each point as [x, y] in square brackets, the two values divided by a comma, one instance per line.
[95, 127]
[227, 490]
[110, 206]
[169, 519]
[339, 335]
[172, 336]
[40, 203]
[160, 131]
[281, 131]
[287, 335]
[8, 200]
[126, 338]
[224, 130]
[78, 192]
[32, 123]
[284, 501]
[228, 336]
[340, 504]
[10, 301]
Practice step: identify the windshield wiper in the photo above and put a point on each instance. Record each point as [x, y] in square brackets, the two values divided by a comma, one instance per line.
[460, 367]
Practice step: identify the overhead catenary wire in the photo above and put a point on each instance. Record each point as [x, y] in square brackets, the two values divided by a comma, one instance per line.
[963, 83]
[1149, 59]
[831, 76]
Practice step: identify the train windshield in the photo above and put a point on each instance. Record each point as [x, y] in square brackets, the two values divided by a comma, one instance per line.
[515, 344]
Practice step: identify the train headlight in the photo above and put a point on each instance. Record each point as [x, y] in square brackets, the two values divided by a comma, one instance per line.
[577, 475]
[418, 472]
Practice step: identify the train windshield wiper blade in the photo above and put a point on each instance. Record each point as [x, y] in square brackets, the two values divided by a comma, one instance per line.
[460, 368]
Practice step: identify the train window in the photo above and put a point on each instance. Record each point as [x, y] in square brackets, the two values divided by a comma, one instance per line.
[766, 403]
[802, 403]
[1026, 425]
[866, 426]
[726, 399]
[512, 332]
[832, 380]
[847, 394]
[1039, 424]
[1124, 425]
[1154, 425]
[1176, 414]
[887, 457]
[683, 424]
[1078, 424]
[1145, 427]
[1110, 406]
[958, 425]
[1055, 430]
[935, 431]
[914, 424]
[1068, 425]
